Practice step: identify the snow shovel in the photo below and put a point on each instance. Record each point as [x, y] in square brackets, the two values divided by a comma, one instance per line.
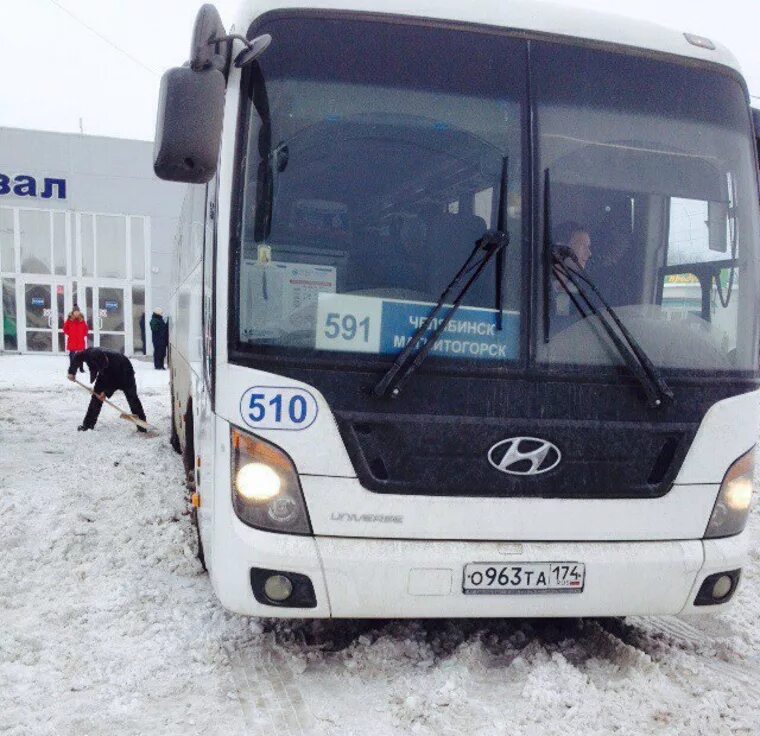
[129, 417]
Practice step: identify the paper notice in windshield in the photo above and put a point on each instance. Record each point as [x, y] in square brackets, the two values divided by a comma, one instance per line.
[278, 297]
[371, 325]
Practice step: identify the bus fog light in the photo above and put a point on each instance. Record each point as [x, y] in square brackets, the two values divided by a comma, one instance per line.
[718, 588]
[266, 490]
[722, 587]
[282, 588]
[257, 482]
[279, 588]
[729, 515]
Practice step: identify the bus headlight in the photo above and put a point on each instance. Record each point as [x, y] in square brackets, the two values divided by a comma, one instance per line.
[266, 492]
[731, 510]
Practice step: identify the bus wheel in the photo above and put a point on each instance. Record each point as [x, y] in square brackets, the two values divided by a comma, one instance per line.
[174, 437]
[201, 555]
[188, 458]
[188, 452]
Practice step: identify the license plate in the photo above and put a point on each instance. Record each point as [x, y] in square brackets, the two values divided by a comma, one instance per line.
[523, 577]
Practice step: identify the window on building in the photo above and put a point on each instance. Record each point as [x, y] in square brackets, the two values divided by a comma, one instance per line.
[87, 240]
[137, 244]
[7, 249]
[111, 244]
[34, 226]
[59, 243]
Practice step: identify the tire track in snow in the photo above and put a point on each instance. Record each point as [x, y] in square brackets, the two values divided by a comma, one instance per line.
[270, 699]
[705, 651]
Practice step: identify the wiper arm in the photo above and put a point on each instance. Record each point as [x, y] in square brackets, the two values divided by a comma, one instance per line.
[501, 226]
[492, 243]
[639, 363]
[548, 246]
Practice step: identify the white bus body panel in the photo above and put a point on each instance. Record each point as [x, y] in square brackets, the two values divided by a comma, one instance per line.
[410, 578]
[728, 430]
[339, 506]
[375, 578]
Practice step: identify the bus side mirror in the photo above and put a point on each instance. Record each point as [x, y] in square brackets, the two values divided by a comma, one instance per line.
[191, 106]
[189, 124]
[756, 122]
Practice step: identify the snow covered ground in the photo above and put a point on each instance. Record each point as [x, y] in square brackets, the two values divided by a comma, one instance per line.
[109, 627]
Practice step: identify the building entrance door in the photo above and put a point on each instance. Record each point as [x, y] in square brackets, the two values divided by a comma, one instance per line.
[43, 307]
[105, 311]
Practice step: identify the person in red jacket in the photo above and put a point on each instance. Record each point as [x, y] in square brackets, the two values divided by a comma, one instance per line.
[75, 328]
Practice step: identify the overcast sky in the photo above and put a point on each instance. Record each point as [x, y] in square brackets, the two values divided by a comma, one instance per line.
[57, 71]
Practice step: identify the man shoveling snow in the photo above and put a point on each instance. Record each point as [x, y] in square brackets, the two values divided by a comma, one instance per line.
[111, 372]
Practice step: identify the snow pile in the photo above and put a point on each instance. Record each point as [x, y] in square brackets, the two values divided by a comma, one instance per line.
[109, 627]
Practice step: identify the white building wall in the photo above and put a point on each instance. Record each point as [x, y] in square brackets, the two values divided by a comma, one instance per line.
[108, 176]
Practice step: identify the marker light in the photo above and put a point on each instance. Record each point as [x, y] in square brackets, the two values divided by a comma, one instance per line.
[257, 482]
[266, 492]
[731, 510]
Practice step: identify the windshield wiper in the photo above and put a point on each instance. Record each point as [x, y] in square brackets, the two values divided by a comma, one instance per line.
[501, 227]
[487, 247]
[555, 261]
[493, 243]
[566, 268]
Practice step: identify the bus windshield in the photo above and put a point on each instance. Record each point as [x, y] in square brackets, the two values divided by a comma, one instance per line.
[366, 186]
[653, 187]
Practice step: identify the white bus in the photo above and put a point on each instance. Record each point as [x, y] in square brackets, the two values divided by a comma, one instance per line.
[429, 356]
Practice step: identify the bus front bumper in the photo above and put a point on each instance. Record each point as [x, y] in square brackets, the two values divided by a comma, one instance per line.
[374, 578]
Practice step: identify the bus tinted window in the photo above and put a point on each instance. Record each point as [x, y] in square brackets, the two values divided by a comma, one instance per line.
[652, 162]
[368, 184]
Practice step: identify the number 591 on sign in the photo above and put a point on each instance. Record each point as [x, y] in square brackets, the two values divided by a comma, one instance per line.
[350, 323]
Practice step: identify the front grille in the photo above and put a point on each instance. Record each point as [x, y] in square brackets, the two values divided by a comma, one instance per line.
[437, 456]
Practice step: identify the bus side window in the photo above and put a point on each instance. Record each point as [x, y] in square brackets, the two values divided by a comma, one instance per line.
[209, 251]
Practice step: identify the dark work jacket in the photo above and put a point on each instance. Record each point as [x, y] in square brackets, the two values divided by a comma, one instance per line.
[160, 331]
[110, 371]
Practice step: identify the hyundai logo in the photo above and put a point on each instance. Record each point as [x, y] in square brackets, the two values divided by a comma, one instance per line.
[524, 456]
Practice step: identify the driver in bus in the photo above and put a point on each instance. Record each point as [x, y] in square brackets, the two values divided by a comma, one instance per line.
[575, 237]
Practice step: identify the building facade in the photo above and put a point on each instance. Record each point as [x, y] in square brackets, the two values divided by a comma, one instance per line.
[83, 221]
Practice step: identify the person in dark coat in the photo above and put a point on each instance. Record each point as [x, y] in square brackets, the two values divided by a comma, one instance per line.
[142, 334]
[160, 331]
[110, 372]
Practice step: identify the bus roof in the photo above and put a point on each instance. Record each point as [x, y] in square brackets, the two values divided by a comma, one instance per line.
[526, 15]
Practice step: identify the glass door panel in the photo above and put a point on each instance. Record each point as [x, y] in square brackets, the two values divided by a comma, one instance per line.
[39, 316]
[112, 342]
[109, 314]
[10, 322]
[111, 309]
[139, 319]
[90, 317]
[109, 319]
[63, 307]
